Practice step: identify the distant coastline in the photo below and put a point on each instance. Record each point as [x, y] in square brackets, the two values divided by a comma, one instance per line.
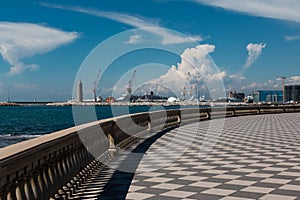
[88, 103]
[187, 103]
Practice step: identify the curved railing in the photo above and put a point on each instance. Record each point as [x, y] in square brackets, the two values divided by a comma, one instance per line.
[61, 161]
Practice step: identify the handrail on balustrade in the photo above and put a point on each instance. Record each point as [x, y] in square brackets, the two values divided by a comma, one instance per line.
[37, 168]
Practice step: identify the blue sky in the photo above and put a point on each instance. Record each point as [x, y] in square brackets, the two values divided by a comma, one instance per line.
[44, 43]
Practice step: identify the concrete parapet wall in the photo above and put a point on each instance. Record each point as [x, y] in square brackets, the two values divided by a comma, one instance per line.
[38, 168]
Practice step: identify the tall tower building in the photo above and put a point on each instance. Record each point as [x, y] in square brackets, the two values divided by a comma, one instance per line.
[79, 91]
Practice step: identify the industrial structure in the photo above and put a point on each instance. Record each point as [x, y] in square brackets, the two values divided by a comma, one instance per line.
[129, 88]
[236, 95]
[292, 93]
[127, 96]
[268, 96]
[95, 86]
[79, 91]
[283, 88]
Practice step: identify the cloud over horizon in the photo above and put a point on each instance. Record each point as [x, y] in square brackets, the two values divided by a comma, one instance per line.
[197, 71]
[22, 40]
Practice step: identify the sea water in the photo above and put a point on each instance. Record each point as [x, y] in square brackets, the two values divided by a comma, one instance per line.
[18, 123]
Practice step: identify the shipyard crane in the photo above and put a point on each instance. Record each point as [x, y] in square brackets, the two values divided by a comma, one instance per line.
[283, 89]
[95, 85]
[129, 88]
[282, 85]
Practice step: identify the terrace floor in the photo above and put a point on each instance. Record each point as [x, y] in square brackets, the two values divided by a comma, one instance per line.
[253, 157]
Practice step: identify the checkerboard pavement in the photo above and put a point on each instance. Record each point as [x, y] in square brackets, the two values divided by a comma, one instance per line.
[255, 157]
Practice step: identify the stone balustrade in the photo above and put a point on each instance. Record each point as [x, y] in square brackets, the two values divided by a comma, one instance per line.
[54, 165]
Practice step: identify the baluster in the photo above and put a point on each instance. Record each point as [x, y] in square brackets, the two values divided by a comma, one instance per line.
[64, 168]
[49, 184]
[75, 160]
[11, 195]
[20, 192]
[68, 167]
[27, 188]
[52, 174]
[59, 169]
[35, 186]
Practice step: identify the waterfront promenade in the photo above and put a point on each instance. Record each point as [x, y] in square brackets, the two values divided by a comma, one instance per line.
[255, 157]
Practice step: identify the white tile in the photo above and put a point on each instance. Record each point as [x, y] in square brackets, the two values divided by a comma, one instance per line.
[193, 178]
[246, 170]
[134, 188]
[259, 175]
[241, 182]
[277, 197]
[136, 195]
[204, 167]
[205, 184]
[150, 174]
[167, 186]
[178, 194]
[226, 176]
[276, 180]
[184, 173]
[234, 198]
[233, 166]
[159, 179]
[216, 191]
[276, 169]
[215, 171]
[255, 189]
[291, 187]
[175, 168]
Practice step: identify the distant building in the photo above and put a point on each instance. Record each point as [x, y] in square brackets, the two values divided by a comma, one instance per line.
[236, 95]
[270, 96]
[241, 96]
[292, 93]
[79, 91]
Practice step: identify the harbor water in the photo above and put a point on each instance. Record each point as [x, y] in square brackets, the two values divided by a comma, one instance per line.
[19, 123]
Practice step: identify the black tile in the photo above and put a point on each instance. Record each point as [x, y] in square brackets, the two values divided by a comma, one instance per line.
[205, 196]
[162, 198]
[216, 180]
[192, 189]
[230, 187]
[181, 182]
[151, 190]
[145, 183]
[247, 194]
[294, 183]
[249, 178]
[268, 185]
[286, 192]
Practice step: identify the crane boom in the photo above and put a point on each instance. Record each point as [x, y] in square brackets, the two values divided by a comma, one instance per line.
[95, 85]
[129, 88]
[283, 88]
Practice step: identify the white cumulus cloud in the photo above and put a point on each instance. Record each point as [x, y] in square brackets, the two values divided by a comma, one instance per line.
[254, 51]
[293, 80]
[21, 40]
[275, 9]
[196, 71]
[134, 39]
